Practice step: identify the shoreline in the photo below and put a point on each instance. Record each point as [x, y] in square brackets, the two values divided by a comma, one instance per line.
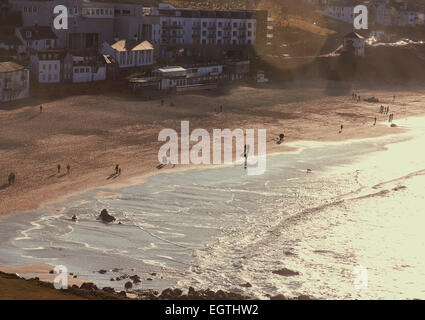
[137, 168]
[292, 147]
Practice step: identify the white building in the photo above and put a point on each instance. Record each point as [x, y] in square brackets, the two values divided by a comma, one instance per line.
[88, 69]
[38, 38]
[206, 27]
[130, 53]
[14, 81]
[356, 42]
[46, 66]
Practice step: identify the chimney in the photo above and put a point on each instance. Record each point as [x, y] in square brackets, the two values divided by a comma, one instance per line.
[135, 37]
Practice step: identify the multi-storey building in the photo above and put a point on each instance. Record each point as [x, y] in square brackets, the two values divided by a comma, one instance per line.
[206, 32]
[38, 38]
[46, 66]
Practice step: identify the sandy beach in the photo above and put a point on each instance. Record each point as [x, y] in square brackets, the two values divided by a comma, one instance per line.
[92, 133]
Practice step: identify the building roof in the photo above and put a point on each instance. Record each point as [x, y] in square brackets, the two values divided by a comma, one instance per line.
[132, 45]
[37, 33]
[354, 35]
[171, 69]
[10, 66]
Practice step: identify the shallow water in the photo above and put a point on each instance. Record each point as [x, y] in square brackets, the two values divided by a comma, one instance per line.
[360, 207]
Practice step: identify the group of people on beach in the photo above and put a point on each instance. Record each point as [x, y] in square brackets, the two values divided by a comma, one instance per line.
[384, 110]
[355, 96]
[68, 168]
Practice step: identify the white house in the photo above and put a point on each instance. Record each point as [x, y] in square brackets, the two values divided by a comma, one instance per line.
[38, 38]
[46, 65]
[88, 69]
[130, 53]
[356, 42]
[14, 81]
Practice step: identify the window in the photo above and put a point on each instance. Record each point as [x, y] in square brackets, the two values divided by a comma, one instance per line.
[76, 70]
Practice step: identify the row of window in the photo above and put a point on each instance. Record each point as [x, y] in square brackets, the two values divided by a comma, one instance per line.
[212, 41]
[140, 57]
[30, 9]
[210, 24]
[98, 11]
[49, 77]
[82, 70]
[55, 67]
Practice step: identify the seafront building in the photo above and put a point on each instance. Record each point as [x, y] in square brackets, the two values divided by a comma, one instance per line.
[115, 35]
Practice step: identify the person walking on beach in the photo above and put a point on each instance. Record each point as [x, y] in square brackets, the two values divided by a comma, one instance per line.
[117, 167]
[41, 108]
[68, 168]
[59, 168]
[162, 102]
[11, 178]
[374, 123]
[342, 127]
[393, 99]
[359, 98]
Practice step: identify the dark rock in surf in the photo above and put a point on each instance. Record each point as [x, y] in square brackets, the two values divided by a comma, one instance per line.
[106, 217]
[286, 272]
[128, 285]
[89, 286]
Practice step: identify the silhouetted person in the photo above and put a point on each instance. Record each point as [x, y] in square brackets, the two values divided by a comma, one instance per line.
[374, 123]
[41, 109]
[393, 99]
[68, 168]
[11, 178]
[117, 167]
[342, 127]
[59, 168]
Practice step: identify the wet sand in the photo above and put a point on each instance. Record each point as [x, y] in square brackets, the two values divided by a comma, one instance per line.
[94, 132]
